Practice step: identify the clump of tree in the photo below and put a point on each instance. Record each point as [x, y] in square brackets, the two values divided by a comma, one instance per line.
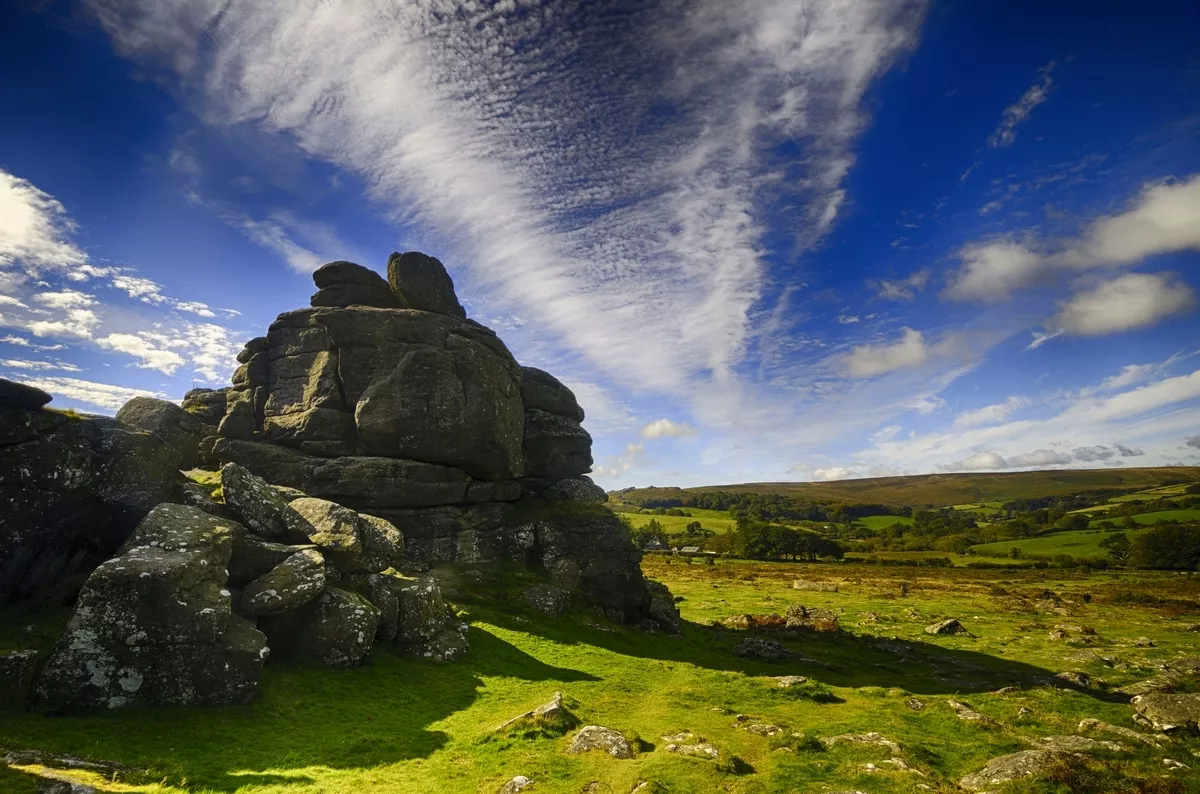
[761, 540]
[1169, 546]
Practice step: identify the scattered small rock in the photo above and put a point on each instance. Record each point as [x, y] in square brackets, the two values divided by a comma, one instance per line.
[861, 738]
[1090, 724]
[1172, 764]
[1078, 744]
[1056, 635]
[789, 681]
[1144, 642]
[1168, 713]
[687, 743]
[951, 626]
[1075, 678]
[597, 737]
[819, 587]
[552, 711]
[1014, 766]
[518, 783]
[965, 712]
[914, 704]
[754, 648]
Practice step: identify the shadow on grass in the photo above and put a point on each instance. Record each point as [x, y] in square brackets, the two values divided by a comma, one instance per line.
[841, 659]
[304, 717]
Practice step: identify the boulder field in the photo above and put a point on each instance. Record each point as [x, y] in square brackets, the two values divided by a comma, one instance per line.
[364, 439]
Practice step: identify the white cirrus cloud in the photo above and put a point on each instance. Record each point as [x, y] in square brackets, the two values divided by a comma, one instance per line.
[665, 428]
[1016, 114]
[148, 355]
[34, 228]
[902, 289]
[1038, 458]
[910, 351]
[66, 299]
[40, 366]
[990, 414]
[632, 457]
[575, 199]
[1163, 218]
[102, 395]
[76, 323]
[1125, 303]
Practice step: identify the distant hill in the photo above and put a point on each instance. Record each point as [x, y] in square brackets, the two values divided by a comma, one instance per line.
[947, 489]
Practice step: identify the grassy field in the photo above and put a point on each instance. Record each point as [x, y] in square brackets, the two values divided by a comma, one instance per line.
[876, 523]
[953, 489]
[1081, 543]
[402, 724]
[1190, 514]
[717, 521]
[1162, 492]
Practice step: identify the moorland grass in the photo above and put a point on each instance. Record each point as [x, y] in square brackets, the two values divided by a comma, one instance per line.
[402, 724]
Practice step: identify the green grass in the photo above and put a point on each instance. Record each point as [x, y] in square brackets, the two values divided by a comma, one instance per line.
[1162, 492]
[1189, 514]
[402, 724]
[951, 489]
[876, 523]
[717, 521]
[1080, 543]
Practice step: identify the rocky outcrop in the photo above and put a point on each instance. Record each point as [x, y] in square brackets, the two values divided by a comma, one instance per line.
[72, 488]
[177, 428]
[348, 284]
[22, 397]
[155, 625]
[423, 283]
[384, 398]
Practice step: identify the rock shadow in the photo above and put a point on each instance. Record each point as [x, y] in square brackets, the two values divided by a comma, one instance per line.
[304, 717]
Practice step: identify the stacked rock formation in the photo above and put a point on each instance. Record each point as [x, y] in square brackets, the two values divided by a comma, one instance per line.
[384, 397]
[191, 606]
[377, 432]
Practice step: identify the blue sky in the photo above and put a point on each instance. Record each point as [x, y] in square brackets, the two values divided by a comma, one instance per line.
[763, 240]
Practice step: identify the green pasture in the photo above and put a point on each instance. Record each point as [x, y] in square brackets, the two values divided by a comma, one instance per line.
[402, 725]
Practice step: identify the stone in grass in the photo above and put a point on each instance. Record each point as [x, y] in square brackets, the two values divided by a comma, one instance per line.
[546, 598]
[1079, 744]
[951, 626]
[687, 743]
[861, 738]
[966, 713]
[551, 714]
[789, 681]
[1075, 679]
[1090, 724]
[597, 737]
[1014, 766]
[518, 783]
[1168, 713]
[754, 648]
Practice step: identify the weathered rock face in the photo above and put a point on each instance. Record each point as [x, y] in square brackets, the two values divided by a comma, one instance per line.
[542, 391]
[18, 395]
[423, 283]
[176, 427]
[71, 490]
[348, 284]
[207, 405]
[385, 398]
[586, 547]
[154, 625]
[337, 629]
